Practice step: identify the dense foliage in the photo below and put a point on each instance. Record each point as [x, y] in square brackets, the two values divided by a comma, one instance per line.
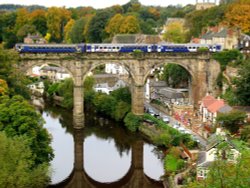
[175, 75]
[14, 78]
[224, 174]
[231, 120]
[17, 164]
[19, 118]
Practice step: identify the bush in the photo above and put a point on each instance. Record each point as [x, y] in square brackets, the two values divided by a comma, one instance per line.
[132, 122]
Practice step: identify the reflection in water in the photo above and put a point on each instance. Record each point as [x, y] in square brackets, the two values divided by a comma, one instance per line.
[63, 145]
[107, 152]
[106, 156]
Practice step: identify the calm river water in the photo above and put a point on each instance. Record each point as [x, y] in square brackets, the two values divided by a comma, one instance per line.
[107, 148]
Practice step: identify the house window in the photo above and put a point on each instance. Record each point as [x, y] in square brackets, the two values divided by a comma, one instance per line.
[247, 43]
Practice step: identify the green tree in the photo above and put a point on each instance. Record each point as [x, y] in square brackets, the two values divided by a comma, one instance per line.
[122, 94]
[95, 31]
[231, 120]
[224, 174]
[77, 33]
[175, 75]
[15, 79]
[243, 84]
[17, 164]
[38, 19]
[104, 103]
[24, 31]
[65, 89]
[67, 30]
[18, 118]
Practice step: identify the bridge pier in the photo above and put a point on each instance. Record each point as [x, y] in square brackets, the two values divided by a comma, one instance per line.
[137, 99]
[78, 112]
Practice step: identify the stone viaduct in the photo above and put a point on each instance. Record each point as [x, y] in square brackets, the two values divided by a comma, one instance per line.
[134, 178]
[203, 72]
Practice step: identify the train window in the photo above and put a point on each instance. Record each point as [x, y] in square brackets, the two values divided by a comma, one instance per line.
[105, 47]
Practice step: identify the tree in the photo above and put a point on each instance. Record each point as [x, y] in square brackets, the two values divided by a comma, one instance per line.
[15, 79]
[17, 164]
[67, 30]
[65, 89]
[237, 15]
[175, 33]
[122, 94]
[95, 31]
[130, 25]
[77, 33]
[231, 120]
[3, 87]
[175, 75]
[56, 21]
[114, 24]
[224, 174]
[22, 18]
[24, 31]
[38, 19]
[243, 84]
[19, 118]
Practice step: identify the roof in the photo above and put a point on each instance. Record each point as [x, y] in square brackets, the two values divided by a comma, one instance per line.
[225, 109]
[208, 35]
[214, 140]
[55, 69]
[201, 157]
[158, 84]
[221, 34]
[171, 94]
[216, 105]
[208, 100]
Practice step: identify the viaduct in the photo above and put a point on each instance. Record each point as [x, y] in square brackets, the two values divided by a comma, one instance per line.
[202, 68]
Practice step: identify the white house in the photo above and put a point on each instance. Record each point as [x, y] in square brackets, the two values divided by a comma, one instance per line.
[206, 158]
[107, 88]
[115, 69]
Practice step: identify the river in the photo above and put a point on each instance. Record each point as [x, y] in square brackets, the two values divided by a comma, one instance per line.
[107, 148]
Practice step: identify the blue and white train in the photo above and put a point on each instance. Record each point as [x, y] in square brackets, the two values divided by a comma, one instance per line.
[102, 47]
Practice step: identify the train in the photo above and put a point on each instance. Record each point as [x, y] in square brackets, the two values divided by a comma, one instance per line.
[108, 47]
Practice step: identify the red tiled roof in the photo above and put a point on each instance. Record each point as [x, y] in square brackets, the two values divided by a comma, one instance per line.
[214, 107]
[208, 100]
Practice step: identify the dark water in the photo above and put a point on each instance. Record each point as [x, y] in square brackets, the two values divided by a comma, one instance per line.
[107, 148]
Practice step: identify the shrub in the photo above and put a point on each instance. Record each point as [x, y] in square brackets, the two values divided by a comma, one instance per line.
[132, 122]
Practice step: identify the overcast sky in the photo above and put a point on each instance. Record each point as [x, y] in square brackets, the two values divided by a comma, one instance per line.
[94, 3]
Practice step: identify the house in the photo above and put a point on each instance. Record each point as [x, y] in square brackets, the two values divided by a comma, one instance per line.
[213, 151]
[210, 107]
[115, 69]
[244, 44]
[107, 87]
[34, 39]
[201, 5]
[54, 73]
[226, 37]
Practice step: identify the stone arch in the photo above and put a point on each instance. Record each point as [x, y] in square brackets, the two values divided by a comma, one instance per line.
[159, 64]
[93, 65]
[29, 65]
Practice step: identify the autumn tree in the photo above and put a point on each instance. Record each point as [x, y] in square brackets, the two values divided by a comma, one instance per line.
[22, 18]
[57, 18]
[175, 32]
[114, 24]
[130, 25]
[238, 15]
[67, 30]
[38, 19]
[24, 31]
[3, 87]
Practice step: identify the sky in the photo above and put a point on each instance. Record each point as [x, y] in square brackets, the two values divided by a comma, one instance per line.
[94, 3]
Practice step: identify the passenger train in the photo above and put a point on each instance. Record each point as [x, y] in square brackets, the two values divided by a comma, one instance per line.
[101, 47]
